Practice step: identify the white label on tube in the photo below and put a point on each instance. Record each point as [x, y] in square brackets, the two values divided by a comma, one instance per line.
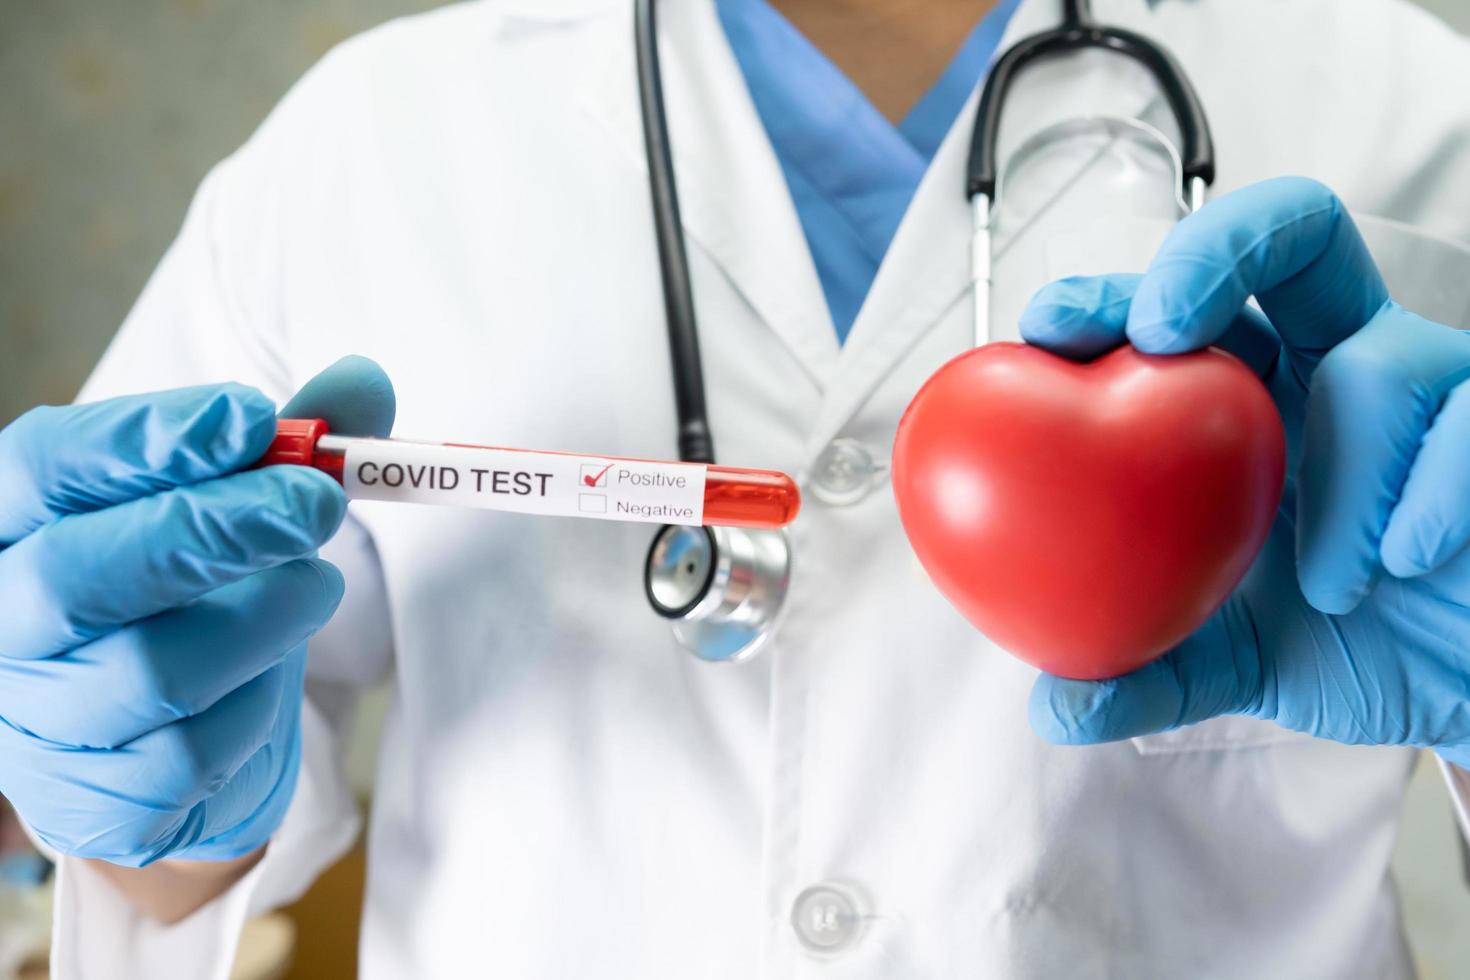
[553, 484]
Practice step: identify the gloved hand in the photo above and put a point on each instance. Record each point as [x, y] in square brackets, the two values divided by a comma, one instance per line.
[155, 602]
[1354, 622]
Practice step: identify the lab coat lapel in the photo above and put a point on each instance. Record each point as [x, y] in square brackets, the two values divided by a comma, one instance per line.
[924, 281]
[732, 193]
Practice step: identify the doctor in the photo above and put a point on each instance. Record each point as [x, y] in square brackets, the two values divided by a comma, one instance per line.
[564, 793]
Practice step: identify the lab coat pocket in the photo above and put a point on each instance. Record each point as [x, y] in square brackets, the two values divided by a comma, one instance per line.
[1217, 734]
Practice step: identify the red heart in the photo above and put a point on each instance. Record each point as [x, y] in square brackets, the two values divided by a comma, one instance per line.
[1088, 517]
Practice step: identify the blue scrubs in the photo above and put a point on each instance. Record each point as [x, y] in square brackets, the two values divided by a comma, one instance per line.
[851, 172]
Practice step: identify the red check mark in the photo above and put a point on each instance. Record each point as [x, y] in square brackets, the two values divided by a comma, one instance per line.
[592, 481]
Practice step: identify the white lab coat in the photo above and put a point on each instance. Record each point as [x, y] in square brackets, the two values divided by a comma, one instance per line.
[562, 792]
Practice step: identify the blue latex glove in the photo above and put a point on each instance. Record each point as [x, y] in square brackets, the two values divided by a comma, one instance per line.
[1354, 622]
[155, 602]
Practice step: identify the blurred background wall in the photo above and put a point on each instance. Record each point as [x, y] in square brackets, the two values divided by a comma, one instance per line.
[111, 112]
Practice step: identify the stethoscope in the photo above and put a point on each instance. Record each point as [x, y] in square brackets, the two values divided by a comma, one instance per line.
[722, 588]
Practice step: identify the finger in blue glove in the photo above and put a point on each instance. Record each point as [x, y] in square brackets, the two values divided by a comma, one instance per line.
[154, 607]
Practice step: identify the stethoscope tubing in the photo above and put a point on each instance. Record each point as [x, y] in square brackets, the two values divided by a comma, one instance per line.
[1197, 148]
[696, 443]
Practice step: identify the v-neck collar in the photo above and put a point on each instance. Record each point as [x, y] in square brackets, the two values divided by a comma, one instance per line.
[822, 125]
[850, 172]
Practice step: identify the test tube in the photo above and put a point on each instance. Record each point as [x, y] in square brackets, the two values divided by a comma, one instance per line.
[536, 481]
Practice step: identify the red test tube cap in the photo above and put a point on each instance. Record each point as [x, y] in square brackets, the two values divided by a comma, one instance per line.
[295, 442]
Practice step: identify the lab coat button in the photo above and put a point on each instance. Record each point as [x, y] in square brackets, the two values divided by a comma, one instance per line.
[826, 918]
[844, 473]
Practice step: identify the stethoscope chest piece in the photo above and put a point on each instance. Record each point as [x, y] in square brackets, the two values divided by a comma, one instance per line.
[721, 588]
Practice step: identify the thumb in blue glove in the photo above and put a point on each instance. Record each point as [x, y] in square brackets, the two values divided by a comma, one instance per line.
[155, 602]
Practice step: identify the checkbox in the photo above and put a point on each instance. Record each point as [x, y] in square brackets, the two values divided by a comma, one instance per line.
[595, 474]
[592, 503]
